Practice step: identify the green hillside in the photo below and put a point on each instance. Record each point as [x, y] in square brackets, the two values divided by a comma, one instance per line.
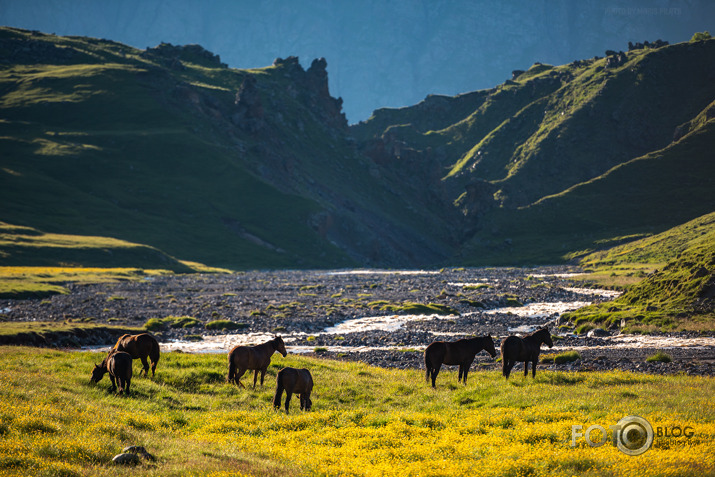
[169, 148]
[643, 196]
[563, 160]
[28, 247]
[658, 249]
[680, 295]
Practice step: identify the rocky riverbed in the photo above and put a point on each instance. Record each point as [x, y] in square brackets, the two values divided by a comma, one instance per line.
[362, 314]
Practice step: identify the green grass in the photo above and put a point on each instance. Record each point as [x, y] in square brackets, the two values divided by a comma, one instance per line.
[156, 324]
[659, 357]
[561, 358]
[676, 297]
[47, 332]
[224, 325]
[365, 420]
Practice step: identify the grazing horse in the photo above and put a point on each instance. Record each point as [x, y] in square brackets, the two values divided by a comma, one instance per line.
[140, 346]
[461, 352]
[297, 381]
[524, 349]
[119, 366]
[256, 357]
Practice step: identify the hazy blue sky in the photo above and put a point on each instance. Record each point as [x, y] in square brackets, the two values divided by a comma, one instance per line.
[380, 53]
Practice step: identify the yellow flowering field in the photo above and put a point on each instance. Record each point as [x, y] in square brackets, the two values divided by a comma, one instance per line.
[365, 421]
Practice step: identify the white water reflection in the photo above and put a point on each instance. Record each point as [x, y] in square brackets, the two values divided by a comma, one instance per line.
[380, 323]
[596, 291]
[382, 272]
[557, 275]
[540, 310]
[643, 341]
[480, 283]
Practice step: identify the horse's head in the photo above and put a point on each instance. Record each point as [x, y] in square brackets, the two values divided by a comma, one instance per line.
[97, 373]
[546, 337]
[280, 346]
[489, 346]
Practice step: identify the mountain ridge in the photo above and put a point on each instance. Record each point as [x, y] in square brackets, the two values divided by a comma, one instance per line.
[258, 168]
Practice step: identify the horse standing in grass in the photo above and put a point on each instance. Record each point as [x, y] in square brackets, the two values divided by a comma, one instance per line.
[140, 346]
[119, 366]
[461, 352]
[524, 349]
[298, 381]
[242, 358]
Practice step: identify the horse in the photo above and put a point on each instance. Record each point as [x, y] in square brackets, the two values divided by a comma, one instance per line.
[119, 366]
[461, 352]
[140, 346]
[297, 381]
[524, 349]
[258, 357]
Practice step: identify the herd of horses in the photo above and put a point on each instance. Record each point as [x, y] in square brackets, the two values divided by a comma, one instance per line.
[118, 362]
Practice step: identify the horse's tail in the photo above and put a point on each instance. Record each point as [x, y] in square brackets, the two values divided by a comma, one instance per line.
[279, 392]
[154, 356]
[231, 370]
[505, 369]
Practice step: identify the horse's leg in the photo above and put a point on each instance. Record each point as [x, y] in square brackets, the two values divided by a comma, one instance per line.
[255, 378]
[533, 368]
[240, 374]
[127, 382]
[526, 368]
[145, 366]
[114, 385]
[263, 374]
[278, 394]
[506, 370]
[435, 372]
[461, 371]
[466, 370]
[288, 396]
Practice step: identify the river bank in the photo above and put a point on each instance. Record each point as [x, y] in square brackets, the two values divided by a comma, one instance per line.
[363, 314]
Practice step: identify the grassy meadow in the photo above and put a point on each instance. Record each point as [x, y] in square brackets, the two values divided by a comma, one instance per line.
[365, 421]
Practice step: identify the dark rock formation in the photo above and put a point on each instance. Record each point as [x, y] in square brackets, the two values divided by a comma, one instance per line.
[171, 55]
[249, 114]
[615, 60]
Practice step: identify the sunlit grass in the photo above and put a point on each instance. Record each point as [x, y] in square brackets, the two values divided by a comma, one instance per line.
[366, 421]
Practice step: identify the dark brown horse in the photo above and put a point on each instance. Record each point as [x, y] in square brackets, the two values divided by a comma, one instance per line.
[257, 357]
[461, 352]
[524, 349]
[119, 366]
[298, 381]
[140, 346]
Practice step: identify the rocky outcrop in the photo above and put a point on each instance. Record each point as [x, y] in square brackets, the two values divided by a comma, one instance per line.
[173, 55]
[248, 114]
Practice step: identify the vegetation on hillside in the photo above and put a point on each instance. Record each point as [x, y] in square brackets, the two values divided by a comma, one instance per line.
[257, 168]
[365, 421]
[680, 295]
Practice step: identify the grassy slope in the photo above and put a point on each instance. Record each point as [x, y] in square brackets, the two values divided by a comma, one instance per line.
[555, 138]
[26, 246]
[97, 145]
[643, 196]
[680, 295]
[365, 421]
[36, 264]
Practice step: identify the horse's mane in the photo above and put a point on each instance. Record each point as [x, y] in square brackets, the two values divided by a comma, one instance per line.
[540, 330]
